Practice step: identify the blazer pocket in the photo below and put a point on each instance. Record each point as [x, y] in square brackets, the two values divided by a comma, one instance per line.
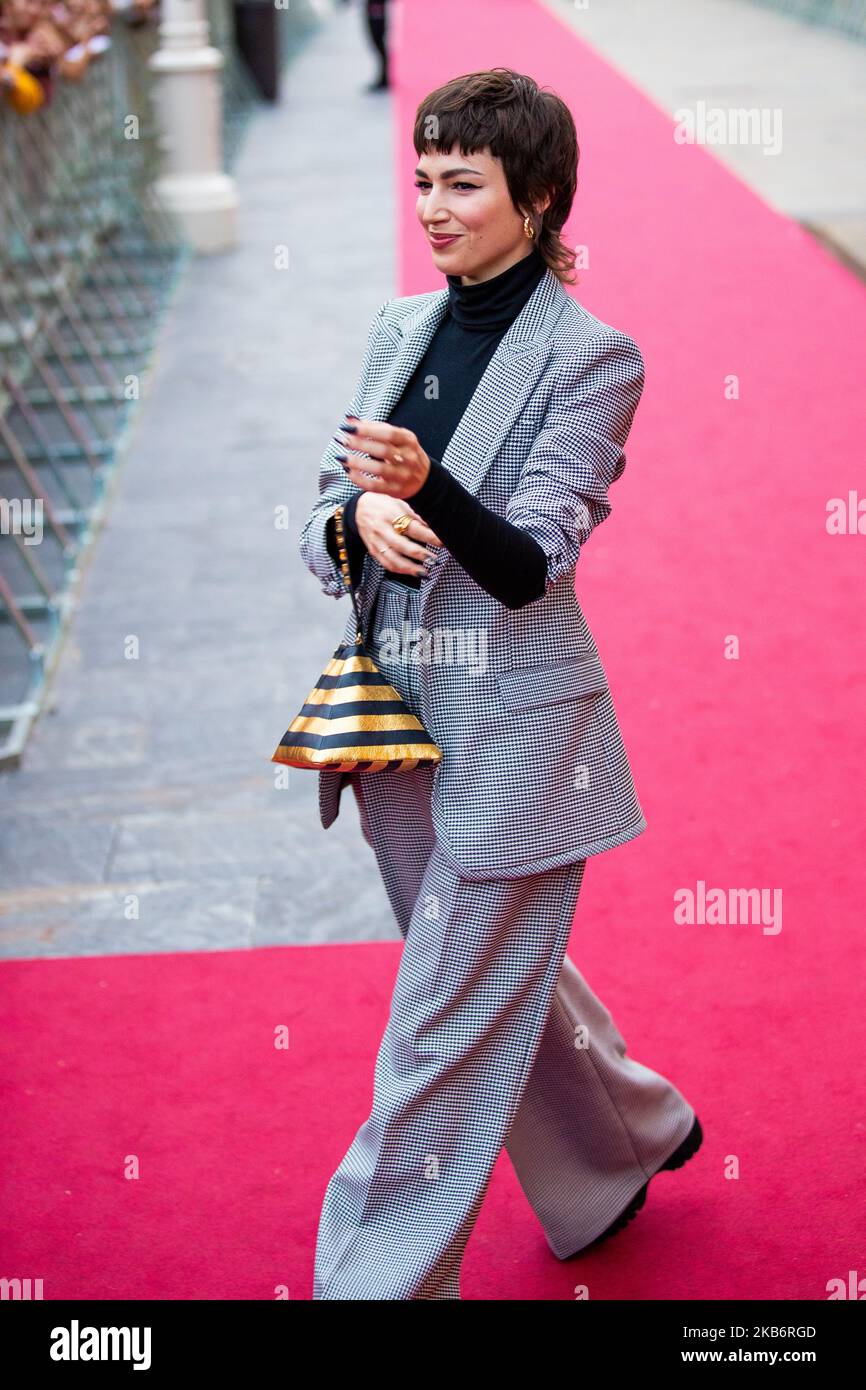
[527, 687]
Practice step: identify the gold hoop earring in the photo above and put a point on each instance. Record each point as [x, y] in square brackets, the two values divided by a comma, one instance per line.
[528, 229]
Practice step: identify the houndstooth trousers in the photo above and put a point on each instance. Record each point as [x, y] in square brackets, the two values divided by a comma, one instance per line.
[493, 1038]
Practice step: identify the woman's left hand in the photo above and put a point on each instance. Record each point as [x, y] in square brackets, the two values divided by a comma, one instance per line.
[397, 462]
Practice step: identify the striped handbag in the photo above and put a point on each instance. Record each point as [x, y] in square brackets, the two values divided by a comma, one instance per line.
[353, 720]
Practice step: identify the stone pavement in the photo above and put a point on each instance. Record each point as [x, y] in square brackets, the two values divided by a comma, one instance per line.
[149, 788]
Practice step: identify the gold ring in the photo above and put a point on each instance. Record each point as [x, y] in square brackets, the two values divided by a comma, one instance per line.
[402, 523]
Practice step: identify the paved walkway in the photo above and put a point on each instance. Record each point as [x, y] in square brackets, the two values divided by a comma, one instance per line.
[151, 781]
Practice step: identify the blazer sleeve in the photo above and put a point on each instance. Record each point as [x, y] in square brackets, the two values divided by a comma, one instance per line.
[579, 452]
[334, 486]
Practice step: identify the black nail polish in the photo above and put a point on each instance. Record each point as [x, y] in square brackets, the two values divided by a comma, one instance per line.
[342, 457]
[349, 429]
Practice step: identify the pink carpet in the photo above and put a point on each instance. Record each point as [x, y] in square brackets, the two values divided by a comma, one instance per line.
[749, 771]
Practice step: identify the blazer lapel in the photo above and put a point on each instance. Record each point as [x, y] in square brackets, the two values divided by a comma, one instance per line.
[510, 375]
[506, 384]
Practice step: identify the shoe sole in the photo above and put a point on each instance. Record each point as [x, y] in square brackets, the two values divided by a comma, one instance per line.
[687, 1149]
[681, 1154]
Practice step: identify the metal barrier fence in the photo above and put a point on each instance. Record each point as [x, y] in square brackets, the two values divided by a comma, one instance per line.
[849, 16]
[88, 261]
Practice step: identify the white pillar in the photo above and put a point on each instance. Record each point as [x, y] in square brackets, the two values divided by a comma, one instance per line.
[189, 110]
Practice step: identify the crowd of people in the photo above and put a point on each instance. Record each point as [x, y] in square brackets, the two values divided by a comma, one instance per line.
[43, 40]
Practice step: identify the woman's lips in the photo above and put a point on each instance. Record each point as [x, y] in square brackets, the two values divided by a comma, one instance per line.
[442, 240]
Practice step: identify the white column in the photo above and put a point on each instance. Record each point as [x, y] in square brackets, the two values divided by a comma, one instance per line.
[189, 110]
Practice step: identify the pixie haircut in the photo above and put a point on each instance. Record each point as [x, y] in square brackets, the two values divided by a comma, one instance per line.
[530, 130]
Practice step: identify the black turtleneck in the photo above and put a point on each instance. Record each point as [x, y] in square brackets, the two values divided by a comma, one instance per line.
[503, 559]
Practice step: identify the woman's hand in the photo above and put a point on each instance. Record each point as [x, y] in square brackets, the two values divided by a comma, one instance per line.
[394, 551]
[397, 465]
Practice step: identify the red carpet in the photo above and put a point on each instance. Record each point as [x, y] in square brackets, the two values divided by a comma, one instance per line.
[749, 772]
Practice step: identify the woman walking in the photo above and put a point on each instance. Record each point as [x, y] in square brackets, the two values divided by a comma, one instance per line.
[488, 423]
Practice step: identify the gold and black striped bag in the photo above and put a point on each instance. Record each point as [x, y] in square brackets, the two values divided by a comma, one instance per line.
[352, 719]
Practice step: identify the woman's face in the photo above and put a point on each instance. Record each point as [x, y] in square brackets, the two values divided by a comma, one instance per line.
[466, 196]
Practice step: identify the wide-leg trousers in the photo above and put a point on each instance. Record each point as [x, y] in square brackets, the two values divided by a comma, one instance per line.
[494, 1038]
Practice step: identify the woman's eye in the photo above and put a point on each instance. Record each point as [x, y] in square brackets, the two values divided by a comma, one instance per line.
[421, 183]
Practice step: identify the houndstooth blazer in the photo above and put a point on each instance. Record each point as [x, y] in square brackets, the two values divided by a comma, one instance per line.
[534, 773]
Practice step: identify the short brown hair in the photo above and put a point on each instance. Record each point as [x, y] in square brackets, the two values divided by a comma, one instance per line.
[529, 129]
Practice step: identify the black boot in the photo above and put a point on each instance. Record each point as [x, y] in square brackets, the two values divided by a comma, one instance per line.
[680, 1155]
